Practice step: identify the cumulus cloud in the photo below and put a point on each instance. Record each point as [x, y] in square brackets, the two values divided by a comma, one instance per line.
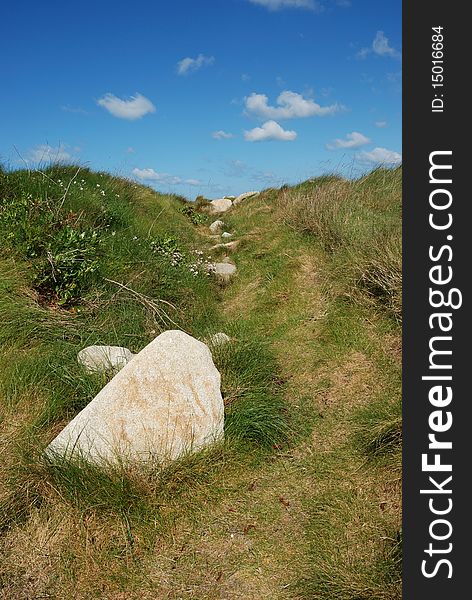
[290, 105]
[270, 130]
[381, 124]
[46, 153]
[353, 140]
[187, 65]
[164, 178]
[221, 135]
[380, 46]
[279, 4]
[134, 108]
[379, 156]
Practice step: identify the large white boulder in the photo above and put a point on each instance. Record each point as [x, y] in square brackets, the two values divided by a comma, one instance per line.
[220, 205]
[242, 197]
[101, 359]
[165, 403]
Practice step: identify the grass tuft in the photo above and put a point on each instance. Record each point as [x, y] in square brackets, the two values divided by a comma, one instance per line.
[359, 224]
[254, 404]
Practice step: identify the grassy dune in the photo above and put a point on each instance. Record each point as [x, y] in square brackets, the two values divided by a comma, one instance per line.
[302, 500]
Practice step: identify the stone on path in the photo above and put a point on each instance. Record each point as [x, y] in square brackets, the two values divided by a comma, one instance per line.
[220, 205]
[165, 403]
[231, 246]
[242, 197]
[224, 270]
[216, 227]
[102, 359]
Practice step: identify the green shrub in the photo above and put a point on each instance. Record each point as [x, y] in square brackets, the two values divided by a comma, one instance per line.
[169, 247]
[195, 217]
[201, 202]
[68, 263]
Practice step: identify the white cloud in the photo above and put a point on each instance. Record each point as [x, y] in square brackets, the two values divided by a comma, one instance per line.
[353, 140]
[187, 65]
[279, 4]
[151, 175]
[46, 153]
[363, 53]
[134, 108]
[221, 135]
[290, 105]
[270, 130]
[164, 178]
[381, 124]
[380, 156]
[380, 46]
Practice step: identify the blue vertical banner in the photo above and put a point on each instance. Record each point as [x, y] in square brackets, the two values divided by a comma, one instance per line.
[437, 256]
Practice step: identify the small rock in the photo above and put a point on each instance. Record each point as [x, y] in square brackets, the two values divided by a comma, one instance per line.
[100, 359]
[216, 227]
[220, 205]
[226, 234]
[219, 339]
[163, 404]
[224, 270]
[231, 246]
[242, 197]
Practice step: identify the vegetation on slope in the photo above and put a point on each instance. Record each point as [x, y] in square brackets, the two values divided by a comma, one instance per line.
[302, 499]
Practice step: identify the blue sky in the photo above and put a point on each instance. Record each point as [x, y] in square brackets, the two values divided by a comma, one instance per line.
[211, 97]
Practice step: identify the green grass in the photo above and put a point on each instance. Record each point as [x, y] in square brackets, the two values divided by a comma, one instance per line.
[359, 224]
[143, 284]
[353, 555]
[310, 382]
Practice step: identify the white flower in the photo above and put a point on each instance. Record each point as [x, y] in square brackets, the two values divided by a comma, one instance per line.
[113, 233]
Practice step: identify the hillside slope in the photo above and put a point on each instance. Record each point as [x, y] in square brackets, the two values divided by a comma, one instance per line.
[303, 498]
